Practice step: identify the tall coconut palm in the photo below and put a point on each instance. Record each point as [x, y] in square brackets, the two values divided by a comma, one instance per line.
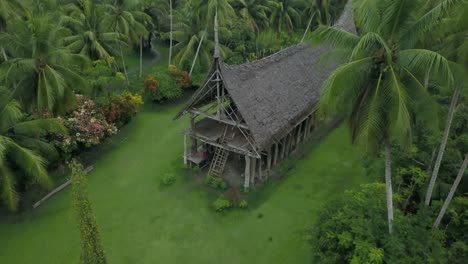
[90, 34]
[21, 148]
[453, 40]
[130, 23]
[255, 12]
[454, 187]
[204, 11]
[9, 10]
[171, 18]
[286, 14]
[385, 72]
[188, 35]
[42, 71]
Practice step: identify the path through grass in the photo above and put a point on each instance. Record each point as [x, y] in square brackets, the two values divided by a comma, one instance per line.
[141, 222]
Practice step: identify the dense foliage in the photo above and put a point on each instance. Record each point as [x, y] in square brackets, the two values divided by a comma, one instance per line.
[353, 230]
[399, 80]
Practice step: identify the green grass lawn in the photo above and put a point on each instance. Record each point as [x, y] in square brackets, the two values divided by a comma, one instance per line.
[141, 222]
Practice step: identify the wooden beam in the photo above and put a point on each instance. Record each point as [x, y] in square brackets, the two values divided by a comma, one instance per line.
[247, 173]
[214, 117]
[226, 147]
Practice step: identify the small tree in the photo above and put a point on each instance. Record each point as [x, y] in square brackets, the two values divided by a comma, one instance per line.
[92, 251]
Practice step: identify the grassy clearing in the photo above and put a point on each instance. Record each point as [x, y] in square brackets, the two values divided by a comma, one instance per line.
[142, 222]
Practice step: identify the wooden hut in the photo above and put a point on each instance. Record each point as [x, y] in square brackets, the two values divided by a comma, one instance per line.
[259, 112]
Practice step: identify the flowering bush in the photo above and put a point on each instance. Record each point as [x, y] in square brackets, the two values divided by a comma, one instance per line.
[119, 109]
[87, 127]
[162, 87]
[181, 77]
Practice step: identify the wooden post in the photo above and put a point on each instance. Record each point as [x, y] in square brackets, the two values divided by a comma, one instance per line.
[185, 149]
[269, 161]
[306, 132]
[253, 166]
[288, 145]
[298, 139]
[275, 157]
[247, 173]
[192, 128]
[260, 172]
[311, 123]
[283, 147]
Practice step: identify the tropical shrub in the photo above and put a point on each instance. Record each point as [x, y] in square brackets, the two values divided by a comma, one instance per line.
[162, 87]
[181, 77]
[353, 230]
[243, 204]
[87, 127]
[221, 204]
[215, 182]
[120, 109]
[168, 179]
[100, 75]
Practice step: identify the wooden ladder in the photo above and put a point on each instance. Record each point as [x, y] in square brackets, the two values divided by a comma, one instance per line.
[220, 157]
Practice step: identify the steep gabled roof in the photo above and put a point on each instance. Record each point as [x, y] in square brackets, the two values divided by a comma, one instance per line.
[276, 92]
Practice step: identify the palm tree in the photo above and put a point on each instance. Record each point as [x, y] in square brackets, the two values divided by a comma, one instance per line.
[453, 39]
[90, 34]
[9, 10]
[204, 11]
[384, 72]
[21, 148]
[130, 23]
[189, 35]
[171, 18]
[42, 71]
[255, 12]
[286, 14]
[447, 201]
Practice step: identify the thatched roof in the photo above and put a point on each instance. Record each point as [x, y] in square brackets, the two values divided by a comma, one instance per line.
[273, 94]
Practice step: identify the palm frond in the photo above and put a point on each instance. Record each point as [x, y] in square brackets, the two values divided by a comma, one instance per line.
[428, 21]
[335, 37]
[368, 41]
[8, 183]
[38, 127]
[367, 119]
[399, 116]
[10, 114]
[418, 61]
[30, 164]
[345, 82]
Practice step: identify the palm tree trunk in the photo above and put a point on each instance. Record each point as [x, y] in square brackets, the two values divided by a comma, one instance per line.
[196, 54]
[5, 57]
[443, 144]
[170, 33]
[123, 64]
[141, 56]
[388, 185]
[308, 27]
[444, 208]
